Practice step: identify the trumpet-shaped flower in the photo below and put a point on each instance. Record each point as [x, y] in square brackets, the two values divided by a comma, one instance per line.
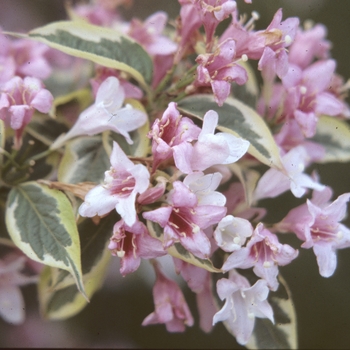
[170, 305]
[121, 185]
[317, 223]
[18, 100]
[265, 253]
[184, 220]
[242, 304]
[106, 114]
[210, 149]
[131, 244]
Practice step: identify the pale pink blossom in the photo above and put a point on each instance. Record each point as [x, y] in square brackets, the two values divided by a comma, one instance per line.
[131, 243]
[242, 304]
[263, 252]
[220, 70]
[121, 185]
[11, 278]
[274, 181]
[210, 149]
[170, 305]
[184, 220]
[204, 186]
[18, 100]
[317, 223]
[307, 95]
[308, 45]
[97, 14]
[105, 114]
[171, 130]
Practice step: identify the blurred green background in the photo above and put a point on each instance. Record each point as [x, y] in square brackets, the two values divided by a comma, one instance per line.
[113, 319]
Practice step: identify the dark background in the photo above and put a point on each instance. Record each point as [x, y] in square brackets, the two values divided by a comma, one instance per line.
[113, 319]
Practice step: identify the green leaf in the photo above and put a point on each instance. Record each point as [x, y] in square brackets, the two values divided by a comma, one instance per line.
[239, 120]
[58, 297]
[282, 334]
[85, 159]
[178, 251]
[41, 223]
[334, 135]
[103, 46]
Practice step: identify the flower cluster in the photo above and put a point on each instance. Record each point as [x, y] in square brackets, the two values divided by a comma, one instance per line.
[183, 150]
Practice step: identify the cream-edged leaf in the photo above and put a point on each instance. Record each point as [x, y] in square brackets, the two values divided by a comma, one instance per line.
[84, 159]
[104, 46]
[334, 135]
[240, 120]
[41, 223]
[57, 297]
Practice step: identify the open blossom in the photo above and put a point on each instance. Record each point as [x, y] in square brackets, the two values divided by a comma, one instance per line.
[274, 181]
[317, 223]
[220, 70]
[265, 253]
[105, 114]
[308, 96]
[231, 233]
[121, 185]
[11, 300]
[183, 220]
[171, 130]
[242, 304]
[210, 149]
[170, 305]
[131, 244]
[18, 100]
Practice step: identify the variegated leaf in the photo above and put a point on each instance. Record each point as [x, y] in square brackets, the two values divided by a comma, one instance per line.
[240, 120]
[57, 297]
[2, 139]
[334, 135]
[103, 46]
[85, 159]
[41, 223]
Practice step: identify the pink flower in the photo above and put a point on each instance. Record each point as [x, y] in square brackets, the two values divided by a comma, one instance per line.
[243, 303]
[121, 185]
[274, 182]
[220, 70]
[170, 305]
[317, 223]
[106, 114]
[265, 253]
[11, 301]
[210, 149]
[184, 220]
[18, 100]
[307, 95]
[171, 130]
[131, 244]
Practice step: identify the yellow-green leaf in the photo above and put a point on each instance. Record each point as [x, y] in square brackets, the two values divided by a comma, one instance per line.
[334, 135]
[104, 46]
[41, 223]
[240, 120]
